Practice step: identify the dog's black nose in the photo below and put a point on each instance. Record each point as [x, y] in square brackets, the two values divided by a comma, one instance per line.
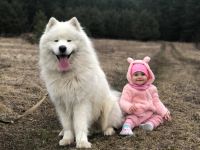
[62, 49]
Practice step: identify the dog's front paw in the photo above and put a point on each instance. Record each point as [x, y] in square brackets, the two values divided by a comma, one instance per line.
[64, 142]
[109, 131]
[83, 144]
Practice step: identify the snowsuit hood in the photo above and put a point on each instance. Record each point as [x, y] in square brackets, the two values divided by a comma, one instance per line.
[144, 62]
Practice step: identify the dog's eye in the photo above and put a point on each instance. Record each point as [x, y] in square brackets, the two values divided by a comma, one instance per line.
[69, 40]
[55, 40]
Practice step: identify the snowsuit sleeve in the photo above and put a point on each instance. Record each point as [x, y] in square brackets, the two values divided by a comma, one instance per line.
[160, 108]
[126, 97]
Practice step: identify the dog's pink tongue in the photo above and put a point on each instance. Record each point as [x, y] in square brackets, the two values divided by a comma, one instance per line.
[63, 64]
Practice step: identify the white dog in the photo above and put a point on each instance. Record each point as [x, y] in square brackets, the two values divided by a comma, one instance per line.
[76, 83]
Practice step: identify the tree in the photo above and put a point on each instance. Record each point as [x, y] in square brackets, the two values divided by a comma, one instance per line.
[94, 21]
[191, 24]
[126, 28]
[40, 21]
[13, 19]
[147, 27]
[111, 22]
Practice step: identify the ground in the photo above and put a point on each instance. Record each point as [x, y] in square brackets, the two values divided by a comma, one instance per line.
[176, 67]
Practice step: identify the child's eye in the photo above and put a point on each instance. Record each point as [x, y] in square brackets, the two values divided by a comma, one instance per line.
[136, 74]
[55, 40]
[69, 40]
[142, 74]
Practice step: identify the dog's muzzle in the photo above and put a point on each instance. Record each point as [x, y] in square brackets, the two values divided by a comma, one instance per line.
[63, 52]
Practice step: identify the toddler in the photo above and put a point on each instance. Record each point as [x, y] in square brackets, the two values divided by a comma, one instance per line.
[140, 100]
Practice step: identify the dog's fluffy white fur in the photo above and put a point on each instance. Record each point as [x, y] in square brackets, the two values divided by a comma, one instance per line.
[80, 92]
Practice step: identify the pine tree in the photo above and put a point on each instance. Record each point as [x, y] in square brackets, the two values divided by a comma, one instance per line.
[40, 21]
[147, 26]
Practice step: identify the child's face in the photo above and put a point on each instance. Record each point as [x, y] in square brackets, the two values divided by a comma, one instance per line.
[139, 78]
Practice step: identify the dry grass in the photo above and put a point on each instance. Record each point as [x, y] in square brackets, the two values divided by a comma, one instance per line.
[177, 70]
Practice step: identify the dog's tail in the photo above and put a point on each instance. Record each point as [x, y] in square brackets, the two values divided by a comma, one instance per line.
[112, 113]
[116, 114]
[116, 94]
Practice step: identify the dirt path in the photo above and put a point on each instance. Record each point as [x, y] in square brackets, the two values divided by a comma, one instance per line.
[177, 69]
[179, 82]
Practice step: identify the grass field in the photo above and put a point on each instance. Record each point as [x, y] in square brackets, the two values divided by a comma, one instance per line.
[177, 70]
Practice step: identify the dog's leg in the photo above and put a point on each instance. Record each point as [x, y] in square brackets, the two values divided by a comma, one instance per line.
[81, 123]
[106, 127]
[65, 119]
[109, 131]
[115, 118]
[67, 139]
[111, 117]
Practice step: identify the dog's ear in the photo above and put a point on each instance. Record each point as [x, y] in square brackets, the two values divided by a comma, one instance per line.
[51, 23]
[74, 22]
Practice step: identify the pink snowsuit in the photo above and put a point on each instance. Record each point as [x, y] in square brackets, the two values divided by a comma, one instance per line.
[149, 108]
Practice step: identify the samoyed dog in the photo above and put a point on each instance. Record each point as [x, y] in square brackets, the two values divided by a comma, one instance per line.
[76, 83]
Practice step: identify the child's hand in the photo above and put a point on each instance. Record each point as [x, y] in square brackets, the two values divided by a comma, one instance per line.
[167, 116]
[132, 109]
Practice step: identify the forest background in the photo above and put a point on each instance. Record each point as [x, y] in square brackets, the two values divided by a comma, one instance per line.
[168, 20]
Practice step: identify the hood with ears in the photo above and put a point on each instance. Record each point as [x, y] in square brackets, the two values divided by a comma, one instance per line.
[145, 62]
